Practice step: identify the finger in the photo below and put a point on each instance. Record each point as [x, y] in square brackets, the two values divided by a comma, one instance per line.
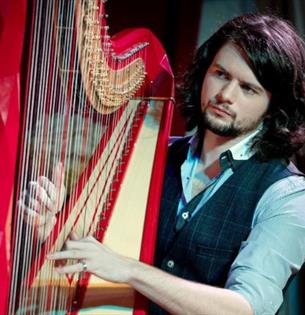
[37, 191]
[77, 244]
[31, 216]
[73, 236]
[49, 187]
[33, 204]
[66, 254]
[28, 201]
[79, 267]
[90, 239]
[58, 176]
[91, 233]
[58, 180]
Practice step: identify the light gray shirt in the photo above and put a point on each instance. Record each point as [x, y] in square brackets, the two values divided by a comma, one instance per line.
[275, 247]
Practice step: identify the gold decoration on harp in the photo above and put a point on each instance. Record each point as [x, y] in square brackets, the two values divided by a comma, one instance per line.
[107, 88]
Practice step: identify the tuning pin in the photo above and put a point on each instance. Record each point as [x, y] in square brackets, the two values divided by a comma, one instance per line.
[104, 15]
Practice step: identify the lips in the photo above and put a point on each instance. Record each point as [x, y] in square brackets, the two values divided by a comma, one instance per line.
[219, 110]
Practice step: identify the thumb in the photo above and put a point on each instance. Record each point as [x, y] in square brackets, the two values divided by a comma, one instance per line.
[58, 181]
[58, 175]
[73, 236]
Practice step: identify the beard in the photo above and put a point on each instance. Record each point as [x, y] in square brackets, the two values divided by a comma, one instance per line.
[225, 128]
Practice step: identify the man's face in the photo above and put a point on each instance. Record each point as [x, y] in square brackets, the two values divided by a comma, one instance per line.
[233, 102]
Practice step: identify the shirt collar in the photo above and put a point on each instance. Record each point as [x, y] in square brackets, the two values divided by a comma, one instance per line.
[193, 144]
[232, 157]
[238, 153]
[242, 149]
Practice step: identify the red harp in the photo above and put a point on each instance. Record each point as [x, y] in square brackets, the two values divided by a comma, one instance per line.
[102, 107]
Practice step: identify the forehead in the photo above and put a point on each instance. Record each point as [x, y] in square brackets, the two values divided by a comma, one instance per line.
[234, 61]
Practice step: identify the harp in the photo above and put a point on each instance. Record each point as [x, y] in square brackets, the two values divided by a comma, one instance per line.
[102, 106]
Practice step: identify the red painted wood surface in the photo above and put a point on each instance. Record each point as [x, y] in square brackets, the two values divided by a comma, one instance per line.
[159, 83]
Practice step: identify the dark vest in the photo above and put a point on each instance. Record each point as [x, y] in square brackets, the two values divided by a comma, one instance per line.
[202, 249]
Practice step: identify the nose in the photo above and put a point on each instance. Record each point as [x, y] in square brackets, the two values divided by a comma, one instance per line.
[227, 93]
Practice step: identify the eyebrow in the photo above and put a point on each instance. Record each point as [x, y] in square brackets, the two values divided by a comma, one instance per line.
[251, 85]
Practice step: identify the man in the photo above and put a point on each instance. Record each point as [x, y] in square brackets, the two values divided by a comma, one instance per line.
[232, 221]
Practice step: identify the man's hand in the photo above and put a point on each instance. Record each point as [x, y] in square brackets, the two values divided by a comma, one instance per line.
[42, 200]
[176, 295]
[94, 257]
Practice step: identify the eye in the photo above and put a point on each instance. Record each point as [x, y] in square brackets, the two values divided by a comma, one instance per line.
[220, 74]
[248, 89]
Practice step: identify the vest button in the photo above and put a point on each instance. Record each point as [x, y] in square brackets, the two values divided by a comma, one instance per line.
[185, 215]
[170, 264]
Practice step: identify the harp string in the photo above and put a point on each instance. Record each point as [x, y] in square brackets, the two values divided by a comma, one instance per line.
[104, 120]
[41, 294]
[17, 247]
[62, 126]
[83, 126]
[56, 144]
[42, 124]
[57, 300]
[34, 167]
[73, 121]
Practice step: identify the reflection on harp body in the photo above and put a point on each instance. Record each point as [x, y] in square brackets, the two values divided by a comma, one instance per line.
[102, 107]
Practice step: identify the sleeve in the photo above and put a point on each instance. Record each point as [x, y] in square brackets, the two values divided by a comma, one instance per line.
[275, 248]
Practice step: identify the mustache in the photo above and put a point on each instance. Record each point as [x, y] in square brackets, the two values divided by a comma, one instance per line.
[222, 106]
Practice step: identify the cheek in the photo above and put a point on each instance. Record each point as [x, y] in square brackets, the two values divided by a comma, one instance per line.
[203, 100]
[252, 112]
[208, 91]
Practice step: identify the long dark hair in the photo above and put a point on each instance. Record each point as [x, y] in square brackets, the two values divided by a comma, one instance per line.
[276, 55]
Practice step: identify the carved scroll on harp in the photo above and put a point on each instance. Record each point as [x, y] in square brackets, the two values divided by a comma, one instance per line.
[108, 82]
[87, 105]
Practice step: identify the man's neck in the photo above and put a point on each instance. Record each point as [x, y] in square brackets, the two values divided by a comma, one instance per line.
[214, 145]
